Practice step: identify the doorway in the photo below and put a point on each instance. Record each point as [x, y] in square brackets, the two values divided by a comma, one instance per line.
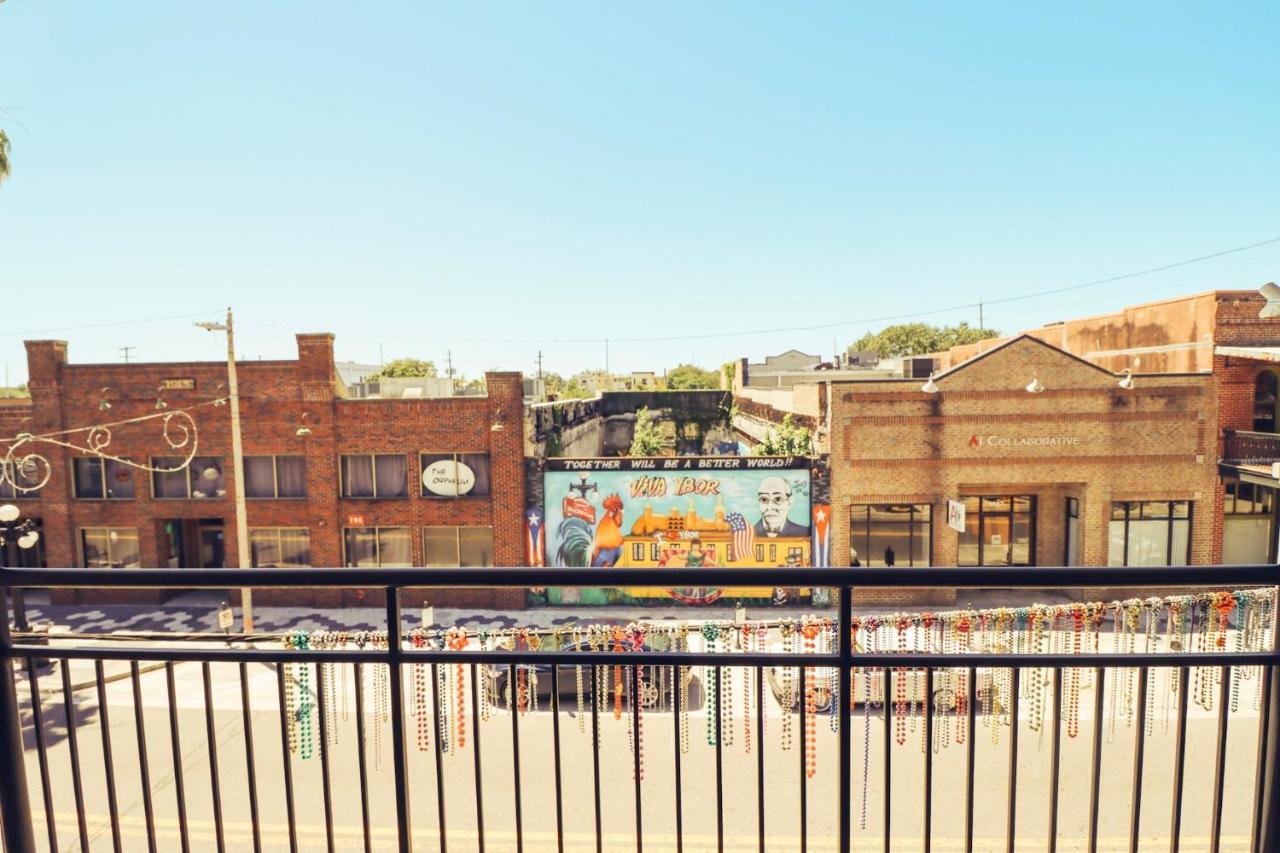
[194, 543]
[999, 530]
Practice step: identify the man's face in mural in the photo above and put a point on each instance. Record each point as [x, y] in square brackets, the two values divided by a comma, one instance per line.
[775, 500]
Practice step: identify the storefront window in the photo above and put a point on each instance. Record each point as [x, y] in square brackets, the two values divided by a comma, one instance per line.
[109, 547]
[999, 530]
[370, 547]
[1247, 524]
[890, 534]
[280, 547]
[462, 547]
[1150, 533]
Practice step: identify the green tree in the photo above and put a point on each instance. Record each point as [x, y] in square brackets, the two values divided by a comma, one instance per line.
[907, 339]
[728, 370]
[564, 389]
[789, 439]
[4, 156]
[689, 377]
[406, 367]
[647, 439]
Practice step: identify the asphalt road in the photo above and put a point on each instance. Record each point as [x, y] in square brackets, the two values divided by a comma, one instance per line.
[782, 780]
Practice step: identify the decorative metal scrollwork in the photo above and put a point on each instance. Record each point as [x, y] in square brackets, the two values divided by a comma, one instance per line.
[25, 469]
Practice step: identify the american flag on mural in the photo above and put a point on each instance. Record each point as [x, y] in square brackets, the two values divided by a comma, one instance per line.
[822, 536]
[744, 536]
[534, 539]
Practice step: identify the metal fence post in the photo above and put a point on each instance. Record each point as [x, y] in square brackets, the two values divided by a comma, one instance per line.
[1270, 828]
[15, 805]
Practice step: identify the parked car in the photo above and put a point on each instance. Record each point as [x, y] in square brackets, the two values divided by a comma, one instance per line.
[653, 683]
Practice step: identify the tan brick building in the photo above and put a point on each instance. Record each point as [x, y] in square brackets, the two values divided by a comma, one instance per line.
[1082, 472]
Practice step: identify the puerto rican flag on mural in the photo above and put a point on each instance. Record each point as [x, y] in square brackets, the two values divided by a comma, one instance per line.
[534, 538]
[744, 536]
[822, 536]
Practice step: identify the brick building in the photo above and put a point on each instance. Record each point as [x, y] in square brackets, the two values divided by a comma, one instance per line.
[1080, 471]
[330, 480]
[1221, 333]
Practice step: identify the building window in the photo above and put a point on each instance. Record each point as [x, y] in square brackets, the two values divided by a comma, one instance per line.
[204, 478]
[101, 479]
[890, 534]
[1247, 524]
[275, 477]
[1264, 402]
[1150, 533]
[371, 547]
[377, 475]
[457, 547]
[21, 481]
[454, 475]
[999, 530]
[280, 547]
[109, 547]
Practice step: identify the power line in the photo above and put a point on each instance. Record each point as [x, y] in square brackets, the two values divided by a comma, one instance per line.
[103, 325]
[885, 318]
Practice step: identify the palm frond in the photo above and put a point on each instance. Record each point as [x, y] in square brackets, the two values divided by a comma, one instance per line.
[4, 156]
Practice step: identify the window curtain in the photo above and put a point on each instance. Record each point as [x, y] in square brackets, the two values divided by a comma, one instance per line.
[1148, 542]
[259, 477]
[479, 463]
[357, 476]
[392, 477]
[291, 476]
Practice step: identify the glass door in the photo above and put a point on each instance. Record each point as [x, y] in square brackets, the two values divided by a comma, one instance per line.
[999, 530]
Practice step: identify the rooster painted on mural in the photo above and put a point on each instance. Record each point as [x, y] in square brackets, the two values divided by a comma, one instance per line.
[608, 542]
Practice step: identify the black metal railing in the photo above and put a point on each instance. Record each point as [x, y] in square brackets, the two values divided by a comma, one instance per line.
[881, 673]
[1250, 448]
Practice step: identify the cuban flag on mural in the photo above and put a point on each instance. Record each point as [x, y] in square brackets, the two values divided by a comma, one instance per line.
[822, 536]
[534, 538]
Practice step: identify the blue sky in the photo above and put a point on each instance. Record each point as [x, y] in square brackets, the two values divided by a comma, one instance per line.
[498, 178]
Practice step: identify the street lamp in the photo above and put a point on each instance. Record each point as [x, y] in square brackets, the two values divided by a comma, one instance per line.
[237, 462]
[26, 536]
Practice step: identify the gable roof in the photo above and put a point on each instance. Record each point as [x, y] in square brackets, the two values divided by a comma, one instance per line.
[1022, 340]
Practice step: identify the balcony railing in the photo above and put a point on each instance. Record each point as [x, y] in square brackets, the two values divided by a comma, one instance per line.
[813, 792]
[1251, 448]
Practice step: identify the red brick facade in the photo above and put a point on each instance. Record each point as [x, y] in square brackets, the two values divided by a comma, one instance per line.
[277, 397]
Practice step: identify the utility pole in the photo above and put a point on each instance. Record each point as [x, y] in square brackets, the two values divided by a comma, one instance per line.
[125, 352]
[606, 356]
[980, 325]
[237, 461]
[448, 357]
[539, 366]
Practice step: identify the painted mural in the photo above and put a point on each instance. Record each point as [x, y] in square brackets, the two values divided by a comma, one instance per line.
[672, 513]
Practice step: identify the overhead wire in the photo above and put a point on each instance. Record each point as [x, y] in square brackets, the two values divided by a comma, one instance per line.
[884, 318]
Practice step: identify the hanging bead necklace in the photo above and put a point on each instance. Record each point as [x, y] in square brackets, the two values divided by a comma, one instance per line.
[711, 638]
[810, 630]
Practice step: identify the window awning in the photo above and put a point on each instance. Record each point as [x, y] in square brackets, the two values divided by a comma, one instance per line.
[1259, 475]
[1255, 353]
